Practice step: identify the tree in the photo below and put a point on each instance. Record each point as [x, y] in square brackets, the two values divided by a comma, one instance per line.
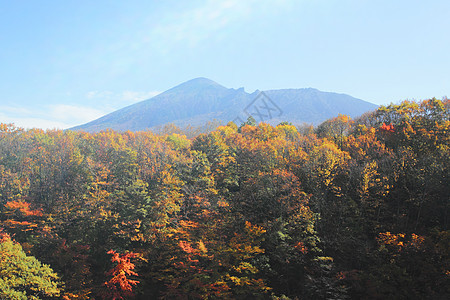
[22, 276]
[120, 286]
[250, 122]
[335, 129]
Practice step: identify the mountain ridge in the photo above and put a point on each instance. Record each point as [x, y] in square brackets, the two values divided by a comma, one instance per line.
[200, 100]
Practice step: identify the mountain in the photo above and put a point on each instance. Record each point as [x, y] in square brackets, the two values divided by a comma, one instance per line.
[200, 100]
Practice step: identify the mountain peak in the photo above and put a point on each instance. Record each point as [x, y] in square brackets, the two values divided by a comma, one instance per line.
[199, 83]
[201, 80]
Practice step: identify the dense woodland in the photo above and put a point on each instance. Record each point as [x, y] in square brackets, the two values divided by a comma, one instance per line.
[351, 209]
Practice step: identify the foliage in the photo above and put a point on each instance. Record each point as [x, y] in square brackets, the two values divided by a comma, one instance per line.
[351, 209]
[119, 286]
[22, 276]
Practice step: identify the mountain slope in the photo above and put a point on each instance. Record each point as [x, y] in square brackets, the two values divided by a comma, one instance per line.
[200, 100]
[313, 106]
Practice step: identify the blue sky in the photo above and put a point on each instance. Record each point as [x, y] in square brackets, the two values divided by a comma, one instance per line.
[64, 63]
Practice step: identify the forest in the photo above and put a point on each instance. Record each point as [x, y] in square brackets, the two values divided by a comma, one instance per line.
[349, 209]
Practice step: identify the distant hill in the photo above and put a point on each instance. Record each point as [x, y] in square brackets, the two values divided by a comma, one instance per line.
[200, 100]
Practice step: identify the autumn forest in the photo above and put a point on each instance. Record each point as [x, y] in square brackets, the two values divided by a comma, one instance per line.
[349, 209]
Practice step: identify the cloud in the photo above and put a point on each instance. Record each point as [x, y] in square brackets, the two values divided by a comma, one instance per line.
[59, 116]
[74, 114]
[201, 22]
[15, 110]
[63, 116]
[175, 27]
[99, 94]
[206, 20]
[30, 122]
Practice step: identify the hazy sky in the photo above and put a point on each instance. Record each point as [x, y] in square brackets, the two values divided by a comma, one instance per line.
[64, 63]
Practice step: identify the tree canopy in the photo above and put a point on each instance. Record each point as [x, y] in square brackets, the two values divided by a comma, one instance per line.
[350, 209]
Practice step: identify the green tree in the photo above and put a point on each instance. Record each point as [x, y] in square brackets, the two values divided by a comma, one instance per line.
[22, 276]
[250, 122]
